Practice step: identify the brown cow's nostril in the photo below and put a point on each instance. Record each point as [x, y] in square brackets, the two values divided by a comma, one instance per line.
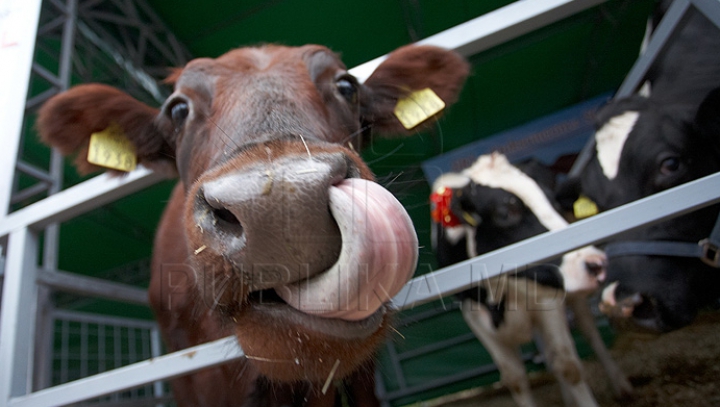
[213, 215]
[226, 216]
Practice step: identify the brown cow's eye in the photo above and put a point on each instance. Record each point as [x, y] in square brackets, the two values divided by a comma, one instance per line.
[179, 112]
[347, 89]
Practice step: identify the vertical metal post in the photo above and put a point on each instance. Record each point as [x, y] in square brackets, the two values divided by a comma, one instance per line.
[18, 29]
[156, 350]
[17, 325]
[44, 345]
[67, 50]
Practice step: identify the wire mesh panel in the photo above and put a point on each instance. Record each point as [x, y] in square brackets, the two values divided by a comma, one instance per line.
[87, 344]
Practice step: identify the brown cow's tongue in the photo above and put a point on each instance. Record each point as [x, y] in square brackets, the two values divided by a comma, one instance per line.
[378, 256]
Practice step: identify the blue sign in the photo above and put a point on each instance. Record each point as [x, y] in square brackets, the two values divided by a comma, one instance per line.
[546, 139]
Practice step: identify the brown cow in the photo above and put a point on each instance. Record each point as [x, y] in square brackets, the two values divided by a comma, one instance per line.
[275, 232]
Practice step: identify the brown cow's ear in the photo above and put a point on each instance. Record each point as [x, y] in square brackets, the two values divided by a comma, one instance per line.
[406, 70]
[67, 121]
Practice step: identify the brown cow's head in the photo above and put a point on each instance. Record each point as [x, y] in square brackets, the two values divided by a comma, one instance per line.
[290, 241]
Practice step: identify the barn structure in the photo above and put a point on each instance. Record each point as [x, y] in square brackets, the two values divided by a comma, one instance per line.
[75, 327]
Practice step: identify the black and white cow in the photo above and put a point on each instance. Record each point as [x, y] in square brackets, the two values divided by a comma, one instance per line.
[644, 145]
[493, 204]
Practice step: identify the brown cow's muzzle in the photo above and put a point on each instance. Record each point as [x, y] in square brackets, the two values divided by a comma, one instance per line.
[328, 245]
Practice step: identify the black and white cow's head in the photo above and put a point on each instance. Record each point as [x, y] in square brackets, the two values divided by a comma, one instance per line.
[493, 204]
[644, 146]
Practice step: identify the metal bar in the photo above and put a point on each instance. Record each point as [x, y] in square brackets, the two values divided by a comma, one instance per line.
[672, 20]
[92, 286]
[83, 317]
[34, 171]
[165, 367]
[493, 28]
[83, 349]
[96, 34]
[47, 75]
[117, 348]
[29, 192]
[709, 8]
[19, 30]
[78, 199]
[17, 325]
[50, 26]
[44, 339]
[64, 351]
[37, 100]
[58, 5]
[467, 374]
[432, 384]
[89, 4]
[51, 236]
[129, 49]
[395, 362]
[156, 351]
[68, 44]
[135, 402]
[160, 45]
[142, 43]
[177, 53]
[435, 346]
[380, 389]
[103, 16]
[653, 209]
[415, 318]
[101, 347]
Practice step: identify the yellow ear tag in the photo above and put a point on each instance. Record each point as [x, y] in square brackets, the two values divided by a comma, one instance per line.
[584, 207]
[111, 149]
[417, 107]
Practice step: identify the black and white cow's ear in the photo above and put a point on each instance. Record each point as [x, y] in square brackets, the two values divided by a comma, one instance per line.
[406, 71]
[617, 107]
[707, 119]
[568, 192]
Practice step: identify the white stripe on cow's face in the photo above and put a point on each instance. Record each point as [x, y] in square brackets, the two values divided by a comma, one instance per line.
[495, 171]
[610, 140]
[451, 180]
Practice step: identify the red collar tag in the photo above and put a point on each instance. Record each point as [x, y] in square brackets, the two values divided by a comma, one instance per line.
[440, 208]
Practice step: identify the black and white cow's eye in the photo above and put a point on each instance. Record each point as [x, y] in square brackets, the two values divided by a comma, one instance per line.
[179, 111]
[347, 88]
[508, 213]
[670, 165]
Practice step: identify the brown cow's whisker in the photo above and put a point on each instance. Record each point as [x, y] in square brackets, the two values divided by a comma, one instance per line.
[394, 150]
[354, 134]
[306, 147]
[223, 286]
[307, 171]
[330, 376]
[261, 359]
[396, 331]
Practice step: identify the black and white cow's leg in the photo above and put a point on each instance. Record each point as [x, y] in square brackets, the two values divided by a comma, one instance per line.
[506, 355]
[561, 355]
[586, 323]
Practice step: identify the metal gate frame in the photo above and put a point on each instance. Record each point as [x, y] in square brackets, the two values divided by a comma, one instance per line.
[21, 228]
